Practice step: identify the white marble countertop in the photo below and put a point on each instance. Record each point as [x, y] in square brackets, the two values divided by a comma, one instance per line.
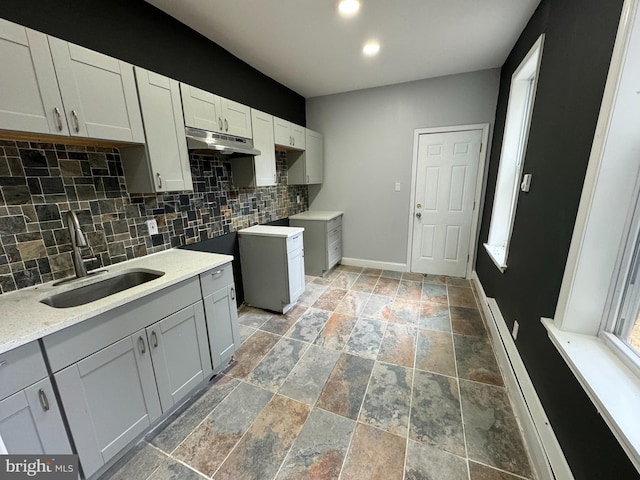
[316, 215]
[271, 231]
[24, 318]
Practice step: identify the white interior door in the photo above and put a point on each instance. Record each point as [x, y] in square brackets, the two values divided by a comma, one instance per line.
[443, 210]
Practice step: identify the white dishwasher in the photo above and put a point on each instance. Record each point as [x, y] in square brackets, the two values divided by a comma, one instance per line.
[272, 261]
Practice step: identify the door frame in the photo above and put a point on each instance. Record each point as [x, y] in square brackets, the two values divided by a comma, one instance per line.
[480, 180]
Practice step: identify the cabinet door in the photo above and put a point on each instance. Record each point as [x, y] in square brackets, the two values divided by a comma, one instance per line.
[298, 137]
[282, 132]
[30, 100]
[180, 353]
[30, 422]
[222, 322]
[201, 109]
[314, 157]
[265, 163]
[110, 398]
[236, 118]
[164, 130]
[295, 270]
[98, 92]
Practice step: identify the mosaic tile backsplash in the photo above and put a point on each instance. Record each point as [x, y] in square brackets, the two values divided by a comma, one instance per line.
[40, 182]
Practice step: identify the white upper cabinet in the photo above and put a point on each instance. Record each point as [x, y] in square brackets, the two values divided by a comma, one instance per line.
[98, 93]
[258, 171]
[163, 165]
[53, 86]
[30, 101]
[306, 168]
[288, 134]
[211, 112]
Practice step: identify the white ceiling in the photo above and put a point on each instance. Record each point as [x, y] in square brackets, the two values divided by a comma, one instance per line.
[307, 46]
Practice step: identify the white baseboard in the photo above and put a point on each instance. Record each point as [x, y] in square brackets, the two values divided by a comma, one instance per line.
[361, 262]
[546, 454]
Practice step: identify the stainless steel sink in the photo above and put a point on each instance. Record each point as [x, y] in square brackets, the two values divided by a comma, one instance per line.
[101, 289]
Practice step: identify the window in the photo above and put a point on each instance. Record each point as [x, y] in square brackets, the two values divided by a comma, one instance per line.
[621, 327]
[514, 144]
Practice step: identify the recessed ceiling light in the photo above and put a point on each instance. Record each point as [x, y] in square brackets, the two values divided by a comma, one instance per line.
[371, 48]
[348, 8]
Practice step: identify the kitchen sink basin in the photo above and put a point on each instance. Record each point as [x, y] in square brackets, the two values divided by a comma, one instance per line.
[101, 289]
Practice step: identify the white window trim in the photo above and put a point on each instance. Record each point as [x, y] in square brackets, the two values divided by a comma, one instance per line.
[522, 94]
[597, 358]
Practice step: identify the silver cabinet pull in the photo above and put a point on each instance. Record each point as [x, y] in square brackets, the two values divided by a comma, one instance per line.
[217, 272]
[226, 125]
[293, 140]
[74, 114]
[58, 118]
[233, 293]
[154, 339]
[2, 362]
[274, 178]
[220, 123]
[290, 140]
[159, 180]
[307, 178]
[44, 402]
[141, 345]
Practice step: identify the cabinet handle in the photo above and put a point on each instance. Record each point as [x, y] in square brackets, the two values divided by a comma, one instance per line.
[275, 180]
[159, 180]
[141, 345]
[44, 402]
[74, 114]
[233, 293]
[154, 339]
[293, 140]
[307, 178]
[226, 125]
[2, 362]
[58, 118]
[220, 122]
[217, 272]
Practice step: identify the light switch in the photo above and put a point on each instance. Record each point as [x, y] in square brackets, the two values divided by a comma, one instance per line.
[526, 182]
[397, 186]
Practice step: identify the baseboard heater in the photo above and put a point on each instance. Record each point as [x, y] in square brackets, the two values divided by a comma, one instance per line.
[546, 454]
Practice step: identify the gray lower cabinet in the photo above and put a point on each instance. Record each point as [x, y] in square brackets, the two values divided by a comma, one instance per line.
[30, 422]
[222, 314]
[322, 239]
[112, 396]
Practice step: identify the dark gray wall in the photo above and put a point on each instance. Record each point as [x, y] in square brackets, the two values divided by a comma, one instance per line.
[138, 33]
[579, 41]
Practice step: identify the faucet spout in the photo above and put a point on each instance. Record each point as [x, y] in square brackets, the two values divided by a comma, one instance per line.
[78, 241]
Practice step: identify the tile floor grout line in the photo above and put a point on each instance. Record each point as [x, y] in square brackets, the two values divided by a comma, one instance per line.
[203, 420]
[177, 460]
[501, 470]
[413, 385]
[243, 434]
[455, 362]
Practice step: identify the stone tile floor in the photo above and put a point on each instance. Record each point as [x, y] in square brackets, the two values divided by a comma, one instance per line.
[373, 375]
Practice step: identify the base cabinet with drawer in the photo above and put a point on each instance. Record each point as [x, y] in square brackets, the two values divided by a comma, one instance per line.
[272, 260]
[120, 372]
[30, 419]
[322, 239]
[219, 296]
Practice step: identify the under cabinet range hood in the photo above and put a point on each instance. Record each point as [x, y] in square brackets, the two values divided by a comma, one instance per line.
[198, 139]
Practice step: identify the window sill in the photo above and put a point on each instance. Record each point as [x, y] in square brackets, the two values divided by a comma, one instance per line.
[498, 254]
[612, 386]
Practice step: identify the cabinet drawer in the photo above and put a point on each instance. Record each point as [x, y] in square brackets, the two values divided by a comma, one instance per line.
[294, 243]
[335, 253]
[21, 367]
[216, 278]
[334, 235]
[333, 223]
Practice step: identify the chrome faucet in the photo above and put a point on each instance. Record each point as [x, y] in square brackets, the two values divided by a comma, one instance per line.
[78, 241]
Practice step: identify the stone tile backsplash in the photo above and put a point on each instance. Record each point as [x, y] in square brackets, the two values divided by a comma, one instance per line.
[39, 182]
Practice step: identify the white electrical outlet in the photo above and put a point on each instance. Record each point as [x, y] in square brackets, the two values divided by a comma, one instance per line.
[397, 186]
[516, 327]
[152, 225]
[298, 198]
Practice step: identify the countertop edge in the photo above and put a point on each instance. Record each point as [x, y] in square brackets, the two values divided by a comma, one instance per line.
[202, 262]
